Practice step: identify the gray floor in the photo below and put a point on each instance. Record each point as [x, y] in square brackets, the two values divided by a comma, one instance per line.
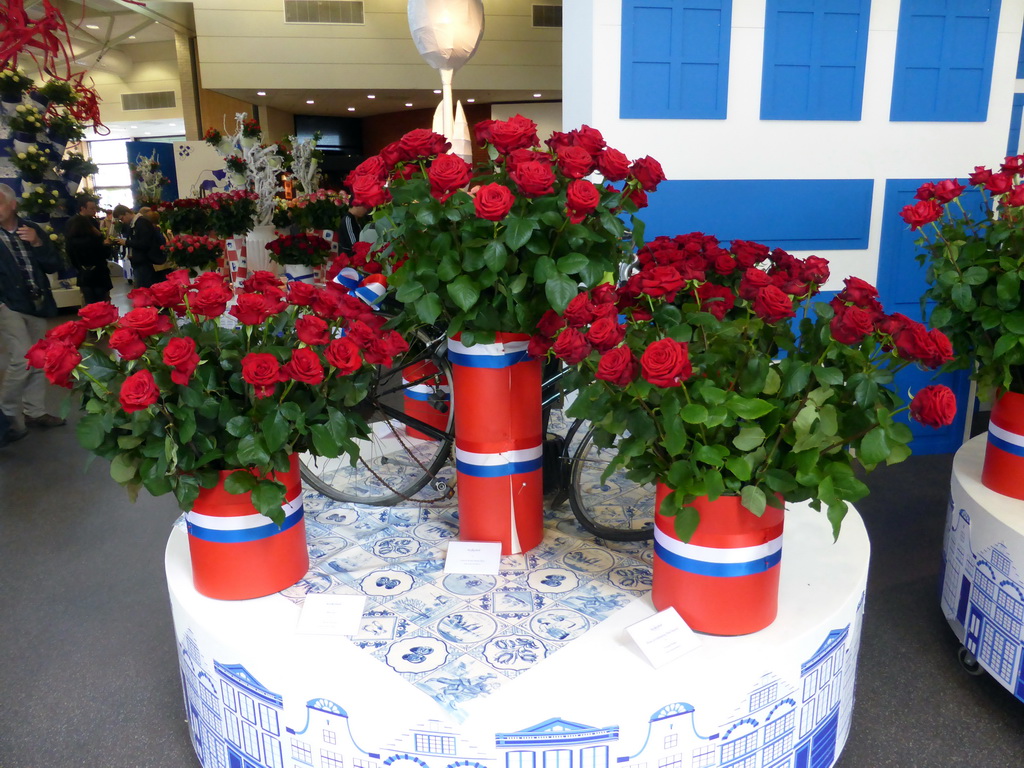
[88, 673]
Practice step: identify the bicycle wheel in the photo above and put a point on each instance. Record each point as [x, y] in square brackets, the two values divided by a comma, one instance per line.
[410, 418]
[616, 509]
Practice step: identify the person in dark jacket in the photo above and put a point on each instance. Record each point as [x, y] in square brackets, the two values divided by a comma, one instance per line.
[88, 250]
[143, 243]
[26, 256]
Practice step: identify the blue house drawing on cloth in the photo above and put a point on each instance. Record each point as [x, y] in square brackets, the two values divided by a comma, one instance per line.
[236, 723]
[985, 593]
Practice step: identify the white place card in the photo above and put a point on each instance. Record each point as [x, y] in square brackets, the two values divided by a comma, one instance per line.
[473, 557]
[663, 637]
[331, 614]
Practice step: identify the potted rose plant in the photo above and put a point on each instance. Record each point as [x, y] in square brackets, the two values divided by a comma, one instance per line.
[299, 254]
[972, 241]
[181, 401]
[196, 253]
[716, 375]
[484, 252]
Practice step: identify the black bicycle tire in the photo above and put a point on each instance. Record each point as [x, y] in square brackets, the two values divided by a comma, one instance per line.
[409, 488]
[580, 510]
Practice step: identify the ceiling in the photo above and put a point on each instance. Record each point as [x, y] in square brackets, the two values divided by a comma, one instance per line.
[97, 26]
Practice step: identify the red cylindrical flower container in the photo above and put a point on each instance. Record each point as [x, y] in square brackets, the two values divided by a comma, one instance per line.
[236, 552]
[725, 580]
[1003, 470]
[498, 442]
[427, 397]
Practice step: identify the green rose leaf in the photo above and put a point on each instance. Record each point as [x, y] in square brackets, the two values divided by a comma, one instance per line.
[90, 431]
[251, 451]
[874, 448]
[749, 438]
[753, 498]
[749, 407]
[495, 256]
[572, 263]
[238, 426]
[276, 430]
[559, 292]
[428, 308]
[409, 292]
[545, 269]
[239, 482]
[518, 232]
[123, 468]
[464, 292]
[268, 498]
[693, 413]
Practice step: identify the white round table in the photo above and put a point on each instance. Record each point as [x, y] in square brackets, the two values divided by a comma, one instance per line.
[983, 563]
[532, 668]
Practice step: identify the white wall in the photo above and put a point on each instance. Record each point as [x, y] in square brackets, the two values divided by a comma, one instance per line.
[154, 68]
[745, 147]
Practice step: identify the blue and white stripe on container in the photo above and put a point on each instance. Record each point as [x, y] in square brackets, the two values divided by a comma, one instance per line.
[716, 561]
[427, 392]
[1006, 440]
[348, 278]
[503, 464]
[300, 275]
[497, 355]
[241, 528]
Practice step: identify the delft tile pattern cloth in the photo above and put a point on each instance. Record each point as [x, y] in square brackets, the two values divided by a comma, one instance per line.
[458, 636]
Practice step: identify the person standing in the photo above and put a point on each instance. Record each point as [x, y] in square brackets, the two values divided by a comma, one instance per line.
[88, 250]
[143, 243]
[26, 256]
[352, 224]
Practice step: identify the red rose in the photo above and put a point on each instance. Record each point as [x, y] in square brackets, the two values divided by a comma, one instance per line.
[618, 366]
[581, 198]
[312, 330]
[302, 294]
[394, 343]
[613, 165]
[493, 201]
[534, 179]
[571, 346]
[579, 311]
[180, 354]
[715, 299]
[666, 363]
[637, 197]
[914, 343]
[343, 355]
[919, 214]
[210, 301]
[98, 314]
[574, 162]
[998, 183]
[72, 332]
[447, 174]
[550, 323]
[980, 176]
[850, 324]
[361, 334]
[606, 333]
[375, 167]
[604, 293]
[422, 143]
[211, 280]
[814, 269]
[253, 308]
[724, 263]
[304, 367]
[943, 349]
[263, 371]
[1012, 164]
[660, 281]
[368, 191]
[925, 192]
[559, 139]
[127, 343]
[36, 354]
[772, 305]
[138, 392]
[391, 155]
[948, 190]
[588, 138]
[934, 406]
[61, 360]
[517, 157]
[538, 346]
[517, 132]
[167, 293]
[1016, 197]
[648, 172]
[141, 297]
[145, 321]
[747, 253]
[859, 292]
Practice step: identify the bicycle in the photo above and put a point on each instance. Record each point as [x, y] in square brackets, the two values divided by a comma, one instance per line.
[405, 454]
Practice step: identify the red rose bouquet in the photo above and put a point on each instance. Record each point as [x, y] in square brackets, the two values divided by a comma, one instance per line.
[713, 371]
[193, 252]
[972, 240]
[231, 214]
[319, 210]
[491, 248]
[304, 249]
[180, 387]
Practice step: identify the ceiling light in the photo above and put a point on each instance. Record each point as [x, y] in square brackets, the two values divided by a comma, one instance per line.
[537, 95]
[135, 126]
[131, 37]
[470, 101]
[408, 103]
[310, 101]
[437, 90]
[261, 93]
[351, 109]
[92, 26]
[148, 133]
[370, 96]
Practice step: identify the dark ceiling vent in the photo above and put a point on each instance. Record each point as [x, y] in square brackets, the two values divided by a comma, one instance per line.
[547, 16]
[152, 100]
[323, 12]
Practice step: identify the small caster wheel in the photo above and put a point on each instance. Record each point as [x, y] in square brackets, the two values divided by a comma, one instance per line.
[969, 662]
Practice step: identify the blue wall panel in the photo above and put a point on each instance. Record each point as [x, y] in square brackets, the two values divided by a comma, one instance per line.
[794, 214]
[675, 58]
[1013, 140]
[944, 54]
[814, 59]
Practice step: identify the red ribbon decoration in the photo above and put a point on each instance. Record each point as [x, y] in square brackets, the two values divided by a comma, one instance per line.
[48, 35]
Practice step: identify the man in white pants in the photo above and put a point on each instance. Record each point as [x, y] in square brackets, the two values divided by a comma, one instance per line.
[26, 256]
